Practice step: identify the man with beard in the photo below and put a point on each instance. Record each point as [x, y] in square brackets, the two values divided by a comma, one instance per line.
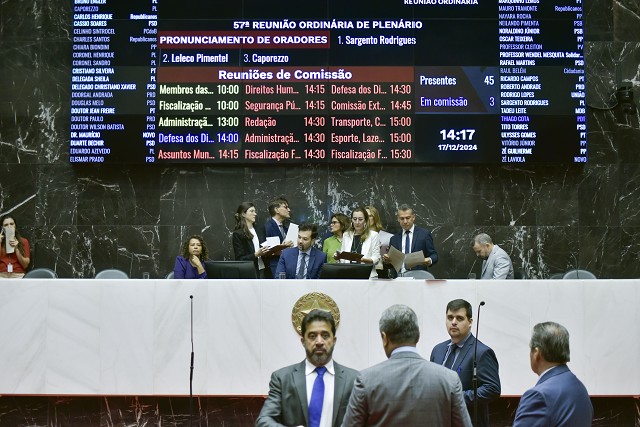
[496, 264]
[314, 392]
[303, 261]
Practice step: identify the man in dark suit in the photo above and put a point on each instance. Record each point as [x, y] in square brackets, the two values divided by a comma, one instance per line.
[299, 394]
[457, 355]
[277, 226]
[305, 261]
[412, 239]
[406, 390]
[559, 398]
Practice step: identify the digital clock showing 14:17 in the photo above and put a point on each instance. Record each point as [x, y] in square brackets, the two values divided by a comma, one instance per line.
[457, 134]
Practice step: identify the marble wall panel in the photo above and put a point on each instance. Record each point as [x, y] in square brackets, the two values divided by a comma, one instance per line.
[629, 194]
[598, 16]
[598, 196]
[64, 411]
[630, 256]
[603, 256]
[626, 20]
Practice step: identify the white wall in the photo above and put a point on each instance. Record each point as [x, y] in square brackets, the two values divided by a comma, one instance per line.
[132, 337]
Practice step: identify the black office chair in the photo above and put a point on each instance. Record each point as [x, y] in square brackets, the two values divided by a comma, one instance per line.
[519, 274]
[41, 273]
[579, 274]
[419, 274]
[112, 273]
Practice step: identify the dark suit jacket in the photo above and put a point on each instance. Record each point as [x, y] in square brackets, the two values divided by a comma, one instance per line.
[289, 260]
[406, 391]
[488, 378]
[422, 241]
[558, 399]
[287, 404]
[271, 230]
[243, 249]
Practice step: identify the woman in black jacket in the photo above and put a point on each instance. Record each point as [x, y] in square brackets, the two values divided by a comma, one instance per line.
[247, 239]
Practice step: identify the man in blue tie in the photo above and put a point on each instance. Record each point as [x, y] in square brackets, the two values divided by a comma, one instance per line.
[412, 239]
[314, 392]
[304, 261]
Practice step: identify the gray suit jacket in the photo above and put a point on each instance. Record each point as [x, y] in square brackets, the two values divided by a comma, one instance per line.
[498, 265]
[407, 391]
[286, 404]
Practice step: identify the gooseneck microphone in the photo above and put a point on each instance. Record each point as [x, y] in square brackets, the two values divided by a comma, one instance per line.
[575, 259]
[475, 370]
[191, 369]
[473, 265]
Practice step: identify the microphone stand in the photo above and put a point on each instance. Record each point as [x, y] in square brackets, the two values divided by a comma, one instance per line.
[191, 370]
[474, 379]
[577, 265]
[473, 265]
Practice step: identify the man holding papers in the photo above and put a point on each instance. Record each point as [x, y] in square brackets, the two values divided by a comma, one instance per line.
[278, 226]
[412, 239]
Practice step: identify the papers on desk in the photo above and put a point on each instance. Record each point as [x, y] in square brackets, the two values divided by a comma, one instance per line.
[397, 258]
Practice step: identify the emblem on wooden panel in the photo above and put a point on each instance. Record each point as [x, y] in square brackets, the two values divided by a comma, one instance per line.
[312, 301]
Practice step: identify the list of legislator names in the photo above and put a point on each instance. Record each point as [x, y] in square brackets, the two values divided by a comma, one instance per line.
[113, 76]
[542, 81]
[381, 81]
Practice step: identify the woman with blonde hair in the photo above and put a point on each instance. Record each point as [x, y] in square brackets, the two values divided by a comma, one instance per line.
[361, 239]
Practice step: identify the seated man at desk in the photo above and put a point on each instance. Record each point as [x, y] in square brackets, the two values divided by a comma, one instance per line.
[304, 261]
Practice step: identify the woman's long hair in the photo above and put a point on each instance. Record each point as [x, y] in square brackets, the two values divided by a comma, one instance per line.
[365, 232]
[375, 218]
[241, 222]
[204, 255]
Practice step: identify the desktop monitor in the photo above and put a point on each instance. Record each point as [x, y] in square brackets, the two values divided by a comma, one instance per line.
[345, 271]
[230, 269]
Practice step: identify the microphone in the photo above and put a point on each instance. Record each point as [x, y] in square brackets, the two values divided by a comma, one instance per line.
[191, 369]
[577, 265]
[475, 370]
[473, 265]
